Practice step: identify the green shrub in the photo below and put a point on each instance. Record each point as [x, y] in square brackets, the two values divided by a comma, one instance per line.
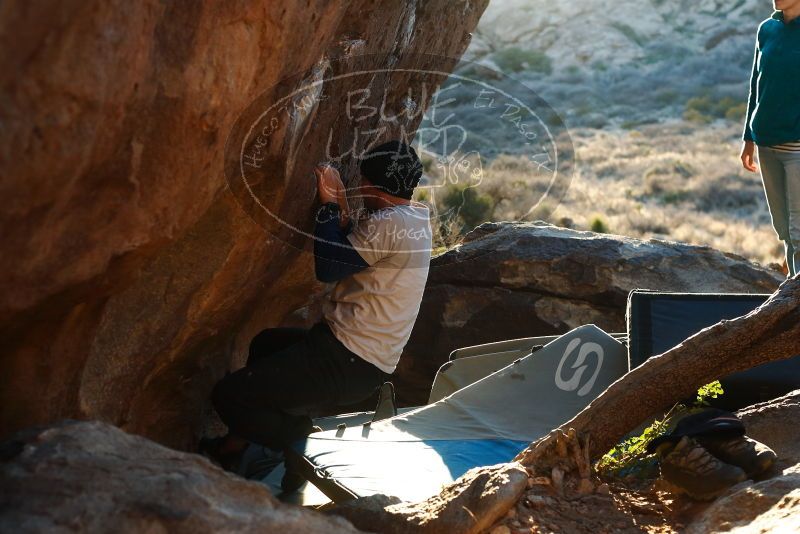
[630, 456]
[516, 59]
[692, 115]
[684, 170]
[736, 112]
[709, 391]
[666, 96]
[427, 163]
[704, 109]
[665, 181]
[472, 207]
[675, 197]
[479, 72]
[701, 104]
[598, 225]
[584, 108]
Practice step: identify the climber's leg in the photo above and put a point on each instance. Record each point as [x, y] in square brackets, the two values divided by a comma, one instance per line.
[273, 340]
[227, 402]
[270, 401]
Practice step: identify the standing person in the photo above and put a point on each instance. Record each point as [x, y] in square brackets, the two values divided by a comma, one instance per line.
[380, 267]
[773, 122]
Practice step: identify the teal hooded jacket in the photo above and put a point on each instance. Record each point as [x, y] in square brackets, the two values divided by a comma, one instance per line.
[773, 110]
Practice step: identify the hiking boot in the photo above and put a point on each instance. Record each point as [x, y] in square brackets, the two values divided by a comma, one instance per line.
[695, 471]
[751, 455]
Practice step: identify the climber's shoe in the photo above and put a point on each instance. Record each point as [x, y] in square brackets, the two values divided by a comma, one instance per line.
[259, 461]
[291, 480]
[211, 449]
[693, 470]
[752, 456]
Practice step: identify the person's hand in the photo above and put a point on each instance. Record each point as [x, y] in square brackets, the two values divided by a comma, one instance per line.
[329, 185]
[748, 156]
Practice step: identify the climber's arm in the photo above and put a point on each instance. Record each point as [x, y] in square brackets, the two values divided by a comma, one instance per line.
[334, 255]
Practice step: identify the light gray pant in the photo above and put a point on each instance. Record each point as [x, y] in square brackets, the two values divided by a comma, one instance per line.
[780, 172]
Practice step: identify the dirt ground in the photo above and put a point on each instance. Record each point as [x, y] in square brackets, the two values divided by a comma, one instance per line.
[610, 508]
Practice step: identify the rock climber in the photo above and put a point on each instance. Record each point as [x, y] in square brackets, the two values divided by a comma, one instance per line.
[379, 265]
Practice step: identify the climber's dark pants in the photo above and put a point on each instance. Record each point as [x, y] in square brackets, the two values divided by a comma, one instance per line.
[291, 373]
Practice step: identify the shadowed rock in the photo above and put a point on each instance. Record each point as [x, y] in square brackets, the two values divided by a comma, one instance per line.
[93, 477]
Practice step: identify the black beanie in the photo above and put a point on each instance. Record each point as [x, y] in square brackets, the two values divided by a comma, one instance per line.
[392, 167]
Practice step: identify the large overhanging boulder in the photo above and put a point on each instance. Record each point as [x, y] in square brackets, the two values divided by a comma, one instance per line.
[511, 280]
[129, 275]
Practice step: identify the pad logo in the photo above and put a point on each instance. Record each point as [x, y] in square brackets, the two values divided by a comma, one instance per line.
[575, 380]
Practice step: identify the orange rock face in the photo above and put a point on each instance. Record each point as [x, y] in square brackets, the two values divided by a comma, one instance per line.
[131, 275]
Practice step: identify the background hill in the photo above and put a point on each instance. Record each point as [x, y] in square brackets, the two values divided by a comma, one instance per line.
[604, 62]
[653, 94]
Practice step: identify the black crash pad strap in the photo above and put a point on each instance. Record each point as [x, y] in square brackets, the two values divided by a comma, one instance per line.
[301, 465]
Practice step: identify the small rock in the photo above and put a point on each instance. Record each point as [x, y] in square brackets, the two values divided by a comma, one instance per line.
[585, 486]
[501, 529]
[557, 478]
[537, 500]
[603, 489]
[539, 481]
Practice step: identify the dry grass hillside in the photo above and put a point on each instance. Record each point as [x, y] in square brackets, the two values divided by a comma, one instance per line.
[653, 95]
[670, 181]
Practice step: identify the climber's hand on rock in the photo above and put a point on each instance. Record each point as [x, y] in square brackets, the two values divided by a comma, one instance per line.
[329, 185]
[748, 156]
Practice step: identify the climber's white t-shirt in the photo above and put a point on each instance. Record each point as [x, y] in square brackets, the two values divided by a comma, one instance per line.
[373, 311]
